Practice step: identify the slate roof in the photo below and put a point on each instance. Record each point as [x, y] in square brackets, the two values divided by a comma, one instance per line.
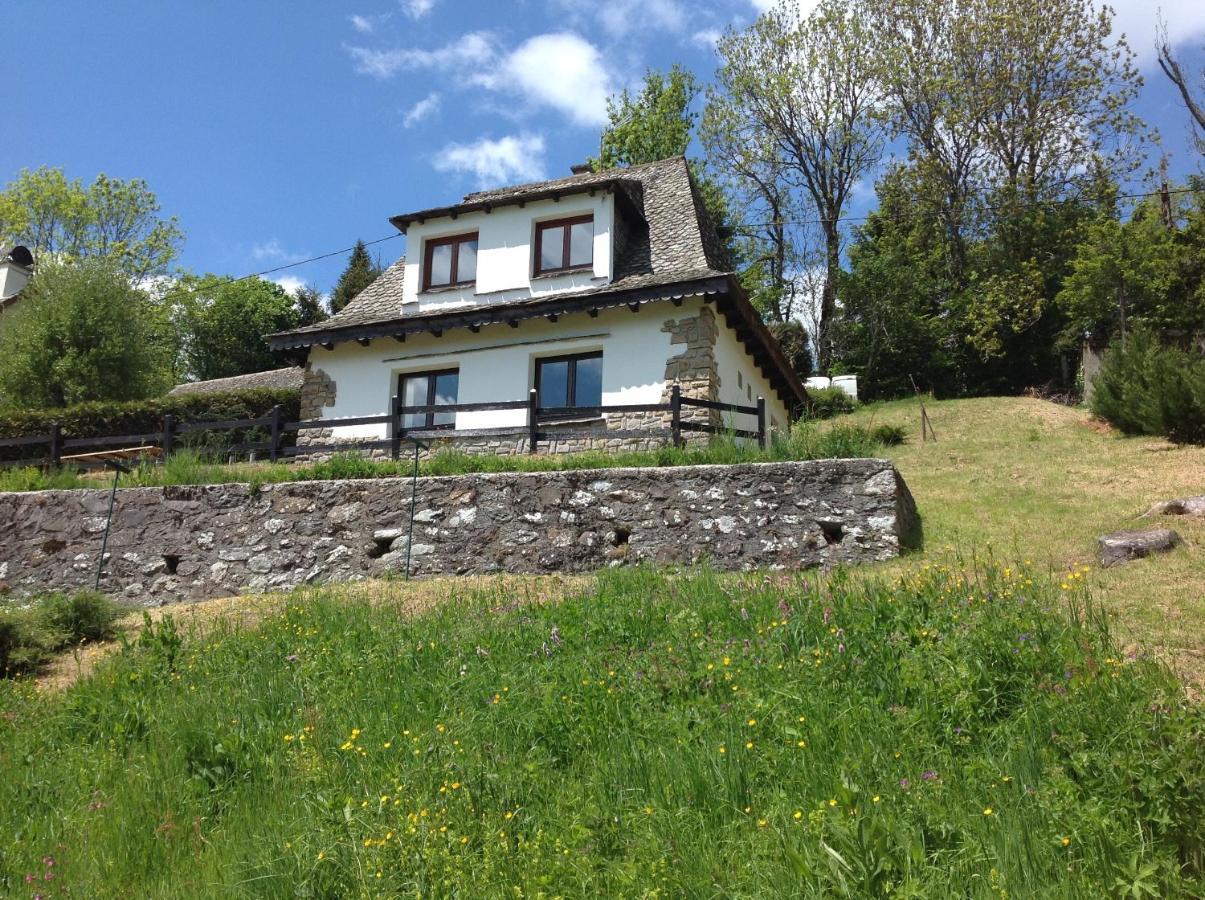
[678, 244]
[289, 377]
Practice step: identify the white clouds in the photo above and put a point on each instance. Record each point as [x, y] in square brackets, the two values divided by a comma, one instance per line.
[561, 70]
[474, 49]
[272, 251]
[425, 108]
[362, 24]
[291, 283]
[1185, 21]
[416, 9]
[516, 157]
[619, 18]
[707, 38]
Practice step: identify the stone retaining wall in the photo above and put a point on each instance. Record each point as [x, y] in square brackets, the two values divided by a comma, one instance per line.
[184, 542]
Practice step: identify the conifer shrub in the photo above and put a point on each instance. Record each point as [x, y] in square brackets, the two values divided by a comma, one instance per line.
[1146, 388]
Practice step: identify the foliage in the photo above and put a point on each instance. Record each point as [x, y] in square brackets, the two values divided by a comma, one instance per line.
[223, 322]
[1145, 388]
[793, 339]
[311, 306]
[804, 91]
[145, 416]
[30, 635]
[361, 271]
[657, 124]
[1148, 270]
[824, 403]
[757, 734]
[81, 333]
[112, 220]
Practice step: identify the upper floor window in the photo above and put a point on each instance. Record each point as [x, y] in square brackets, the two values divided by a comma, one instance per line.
[450, 261]
[564, 245]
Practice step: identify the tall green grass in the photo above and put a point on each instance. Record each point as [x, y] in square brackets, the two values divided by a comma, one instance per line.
[700, 735]
[805, 441]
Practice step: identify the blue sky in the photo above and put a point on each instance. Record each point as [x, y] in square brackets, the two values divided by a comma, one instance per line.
[278, 131]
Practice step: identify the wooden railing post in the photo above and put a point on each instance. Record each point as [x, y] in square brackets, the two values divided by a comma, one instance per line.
[56, 444]
[274, 450]
[169, 434]
[675, 408]
[533, 420]
[395, 406]
[762, 437]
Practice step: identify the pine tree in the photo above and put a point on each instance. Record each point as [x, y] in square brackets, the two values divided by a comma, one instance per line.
[361, 271]
[311, 305]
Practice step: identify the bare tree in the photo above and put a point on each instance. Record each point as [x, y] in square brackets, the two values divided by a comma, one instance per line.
[1171, 68]
[804, 92]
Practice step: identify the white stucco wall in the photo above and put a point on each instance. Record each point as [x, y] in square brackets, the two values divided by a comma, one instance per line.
[498, 363]
[733, 360]
[505, 240]
[12, 279]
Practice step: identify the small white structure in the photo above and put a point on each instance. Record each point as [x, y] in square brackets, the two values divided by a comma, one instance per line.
[603, 288]
[846, 383]
[15, 270]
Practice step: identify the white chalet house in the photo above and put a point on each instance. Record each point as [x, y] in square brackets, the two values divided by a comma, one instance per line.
[604, 288]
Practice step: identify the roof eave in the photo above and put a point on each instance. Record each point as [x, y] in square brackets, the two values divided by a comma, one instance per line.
[403, 221]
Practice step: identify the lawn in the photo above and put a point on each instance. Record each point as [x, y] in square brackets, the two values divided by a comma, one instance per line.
[648, 735]
[989, 717]
[1024, 479]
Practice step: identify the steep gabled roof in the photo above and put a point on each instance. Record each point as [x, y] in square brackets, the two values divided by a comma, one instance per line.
[678, 244]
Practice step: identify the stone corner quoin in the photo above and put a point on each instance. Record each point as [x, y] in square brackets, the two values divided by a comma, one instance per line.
[197, 541]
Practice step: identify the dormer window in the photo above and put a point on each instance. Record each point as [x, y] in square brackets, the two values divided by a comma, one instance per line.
[450, 261]
[564, 245]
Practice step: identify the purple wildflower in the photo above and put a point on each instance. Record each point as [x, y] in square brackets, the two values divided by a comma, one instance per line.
[905, 783]
[929, 775]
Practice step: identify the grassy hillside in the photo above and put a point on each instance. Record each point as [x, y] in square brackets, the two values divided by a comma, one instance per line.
[959, 722]
[1024, 479]
[647, 736]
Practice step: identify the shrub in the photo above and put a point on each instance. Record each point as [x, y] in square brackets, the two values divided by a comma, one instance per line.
[146, 417]
[30, 635]
[824, 403]
[888, 435]
[1145, 388]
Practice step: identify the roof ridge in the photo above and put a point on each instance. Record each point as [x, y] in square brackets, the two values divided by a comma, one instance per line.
[613, 172]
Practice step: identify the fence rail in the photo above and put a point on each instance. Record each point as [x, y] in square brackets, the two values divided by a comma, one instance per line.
[535, 428]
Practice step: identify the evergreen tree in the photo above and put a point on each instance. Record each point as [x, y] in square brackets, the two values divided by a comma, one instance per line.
[361, 271]
[311, 307]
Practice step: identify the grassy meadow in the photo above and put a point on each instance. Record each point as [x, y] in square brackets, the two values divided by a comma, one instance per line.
[934, 735]
[992, 716]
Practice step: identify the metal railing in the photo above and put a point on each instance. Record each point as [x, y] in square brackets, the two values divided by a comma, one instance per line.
[535, 428]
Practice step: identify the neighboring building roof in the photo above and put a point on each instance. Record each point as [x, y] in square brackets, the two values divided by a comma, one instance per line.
[290, 377]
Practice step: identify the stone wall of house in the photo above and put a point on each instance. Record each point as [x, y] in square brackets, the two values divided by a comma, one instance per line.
[184, 542]
[317, 393]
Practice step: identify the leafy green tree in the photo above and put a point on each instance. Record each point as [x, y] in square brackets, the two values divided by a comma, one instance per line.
[361, 271]
[658, 123]
[223, 321]
[1146, 270]
[654, 124]
[311, 305]
[83, 332]
[114, 220]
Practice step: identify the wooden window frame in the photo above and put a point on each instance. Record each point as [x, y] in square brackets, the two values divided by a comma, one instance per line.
[455, 241]
[570, 376]
[430, 375]
[568, 222]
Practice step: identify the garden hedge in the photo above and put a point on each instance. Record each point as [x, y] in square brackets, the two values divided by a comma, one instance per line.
[101, 418]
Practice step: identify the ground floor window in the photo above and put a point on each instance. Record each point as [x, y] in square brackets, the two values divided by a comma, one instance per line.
[429, 389]
[569, 380]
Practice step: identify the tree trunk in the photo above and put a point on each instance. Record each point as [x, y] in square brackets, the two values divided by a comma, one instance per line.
[828, 296]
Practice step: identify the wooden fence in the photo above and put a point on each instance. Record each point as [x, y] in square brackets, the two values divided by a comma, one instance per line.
[276, 446]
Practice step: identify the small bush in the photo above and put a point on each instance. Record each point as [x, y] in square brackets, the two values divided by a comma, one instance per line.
[824, 403]
[1145, 388]
[888, 435]
[30, 635]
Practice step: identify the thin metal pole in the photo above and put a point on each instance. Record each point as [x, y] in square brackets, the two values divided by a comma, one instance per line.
[413, 489]
[109, 521]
